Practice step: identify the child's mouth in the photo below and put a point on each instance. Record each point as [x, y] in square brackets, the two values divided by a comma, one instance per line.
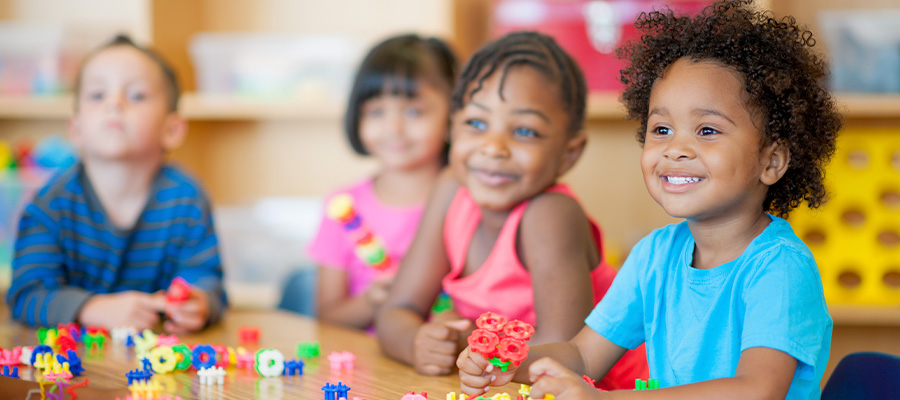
[681, 180]
[491, 178]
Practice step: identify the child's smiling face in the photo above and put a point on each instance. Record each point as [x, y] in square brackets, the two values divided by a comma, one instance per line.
[506, 150]
[704, 158]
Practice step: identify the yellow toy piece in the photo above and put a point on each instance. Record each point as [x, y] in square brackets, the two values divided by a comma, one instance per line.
[162, 359]
[855, 236]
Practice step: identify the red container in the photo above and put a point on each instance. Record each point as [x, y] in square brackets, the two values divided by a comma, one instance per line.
[590, 30]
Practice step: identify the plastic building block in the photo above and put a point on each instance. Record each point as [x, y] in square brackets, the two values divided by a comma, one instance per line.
[414, 396]
[308, 349]
[248, 335]
[442, 303]
[341, 360]
[39, 349]
[146, 364]
[120, 335]
[269, 363]
[25, 355]
[182, 356]
[145, 389]
[368, 247]
[73, 360]
[501, 342]
[203, 356]
[245, 359]
[65, 343]
[501, 396]
[650, 384]
[94, 341]
[71, 389]
[162, 359]
[10, 357]
[10, 372]
[41, 334]
[293, 367]
[179, 291]
[221, 355]
[212, 376]
[334, 392]
[97, 330]
[143, 343]
[167, 340]
[138, 375]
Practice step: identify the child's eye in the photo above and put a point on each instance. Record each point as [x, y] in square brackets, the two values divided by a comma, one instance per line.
[412, 112]
[525, 132]
[95, 96]
[477, 124]
[662, 131]
[706, 131]
[136, 96]
[374, 112]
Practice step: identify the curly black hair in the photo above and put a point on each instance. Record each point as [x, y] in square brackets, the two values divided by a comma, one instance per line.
[784, 80]
[536, 50]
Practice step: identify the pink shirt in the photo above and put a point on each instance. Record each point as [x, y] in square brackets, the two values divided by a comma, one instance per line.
[394, 226]
[503, 285]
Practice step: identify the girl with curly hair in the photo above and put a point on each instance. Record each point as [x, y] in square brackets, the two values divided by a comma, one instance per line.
[736, 129]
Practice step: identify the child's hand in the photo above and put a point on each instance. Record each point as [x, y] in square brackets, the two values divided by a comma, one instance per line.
[131, 309]
[189, 315]
[477, 374]
[550, 377]
[436, 346]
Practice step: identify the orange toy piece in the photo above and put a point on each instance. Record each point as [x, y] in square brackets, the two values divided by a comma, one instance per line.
[501, 342]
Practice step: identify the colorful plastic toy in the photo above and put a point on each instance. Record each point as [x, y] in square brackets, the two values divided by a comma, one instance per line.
[145, 389]
[442, 303]
[179, 291]
[203, 356]
[369, 247]
[335, 392]
[36, 352]
[650, 384]
[138, 375]
[499, 341]
[341, 360]
[248, 335]
[269, 363]
[182, 356]
[10, 373]
[212, 376]
[221, 355]
[121, 335]
[11, 357]
[293, 367]
[71, 389]
[65, 343]
[167, 340]
[308, 349]
[414, 396]
[73, 360]
[94, 341]
[25, 355]
[245, 359]
[162, 359]
[144, 342]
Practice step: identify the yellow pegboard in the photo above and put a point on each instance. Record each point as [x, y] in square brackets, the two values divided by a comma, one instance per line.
[855, 236]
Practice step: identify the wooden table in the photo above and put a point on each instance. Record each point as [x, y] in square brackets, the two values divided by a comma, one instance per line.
[374, 377]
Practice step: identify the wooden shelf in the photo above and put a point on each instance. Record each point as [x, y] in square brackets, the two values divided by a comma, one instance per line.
[865, 315]
[601, 107]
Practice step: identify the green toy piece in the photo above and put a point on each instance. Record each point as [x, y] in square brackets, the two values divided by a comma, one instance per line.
[308, 349]
[649, 385]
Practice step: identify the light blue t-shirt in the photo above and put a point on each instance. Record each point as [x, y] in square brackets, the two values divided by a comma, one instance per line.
[696, 322]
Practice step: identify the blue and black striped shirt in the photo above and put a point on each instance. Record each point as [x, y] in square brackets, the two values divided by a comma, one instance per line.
[68, 249]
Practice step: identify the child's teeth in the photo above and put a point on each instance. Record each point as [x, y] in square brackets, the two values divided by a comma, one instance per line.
[681, 180]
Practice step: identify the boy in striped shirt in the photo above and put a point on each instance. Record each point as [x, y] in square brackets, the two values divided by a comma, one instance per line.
[101, 242]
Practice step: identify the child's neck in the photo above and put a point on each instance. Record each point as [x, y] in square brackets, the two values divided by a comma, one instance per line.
[123, 188]
[398, 187]
[720, 242]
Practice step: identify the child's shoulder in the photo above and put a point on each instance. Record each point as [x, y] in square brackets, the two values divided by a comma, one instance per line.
[63, 183]
[778, 244]
[174, 182]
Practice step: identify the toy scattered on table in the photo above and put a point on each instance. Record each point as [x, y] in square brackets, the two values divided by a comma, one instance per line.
[162, 359]
[414, 396]
[499, 341]
[93, 341]
[10, 372]
[341, 360]
[335, 392]
[308, 349]
[25, 357]
[293, 367]
[35, 354]
[269, 363]
[73, 360]
[148, 389]
[121, 335]
[248, 335]
[137, 375]
[167, 340]
[144, 342]
[182, 356]
[212, 376]
[245, 359]
[71, 389]
[203, 356]
[10, 357]
[369, 247]
[640, 384]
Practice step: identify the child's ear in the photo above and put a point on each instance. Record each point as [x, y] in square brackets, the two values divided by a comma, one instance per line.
[174, 132]
[777, 157]
[574, 148]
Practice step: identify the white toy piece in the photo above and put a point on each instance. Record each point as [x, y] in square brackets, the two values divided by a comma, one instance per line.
[269, 362]
[211, 376]
[120, 334]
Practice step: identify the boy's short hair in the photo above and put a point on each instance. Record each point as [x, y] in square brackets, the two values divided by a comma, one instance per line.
[397, 64]
[169, 77]
[533, 49]
[784, 80]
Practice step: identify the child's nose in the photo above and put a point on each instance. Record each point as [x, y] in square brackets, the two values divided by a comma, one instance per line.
[495, 146]
[679, 147]
[115, 101]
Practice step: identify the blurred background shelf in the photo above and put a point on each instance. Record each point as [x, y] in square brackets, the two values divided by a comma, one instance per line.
[858, 315]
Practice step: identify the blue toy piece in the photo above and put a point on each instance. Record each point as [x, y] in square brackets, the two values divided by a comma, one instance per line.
[74, 361]
[292, 367]
[197, 357]
[335, 392]
[864, 375]
[43, 348]
[146, 364]
[130, 341]
[10, 374]
[138, 375]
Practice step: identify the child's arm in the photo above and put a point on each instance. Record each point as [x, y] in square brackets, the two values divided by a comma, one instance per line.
[556, 246]
[335, 305]
[400, 324]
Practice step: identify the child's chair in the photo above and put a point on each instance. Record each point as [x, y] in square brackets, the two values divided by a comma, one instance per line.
[299, 293]
[864, 375]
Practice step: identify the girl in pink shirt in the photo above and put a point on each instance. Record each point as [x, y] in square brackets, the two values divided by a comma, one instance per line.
[398, 113]
[499, 234]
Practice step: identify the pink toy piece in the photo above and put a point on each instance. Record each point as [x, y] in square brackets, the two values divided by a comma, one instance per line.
[248, 334]
[221, 355]
[341, 360]
[414, 396]
[11, 357]
[483, 341]
[491, 322]
[518, 330]
[511, 349]
[179, 291]
[246, 360]
[167, 340]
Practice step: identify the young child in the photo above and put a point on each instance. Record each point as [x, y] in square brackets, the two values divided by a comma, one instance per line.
[102, 240]
[499, 233]
[398, 114]
[735, 123]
